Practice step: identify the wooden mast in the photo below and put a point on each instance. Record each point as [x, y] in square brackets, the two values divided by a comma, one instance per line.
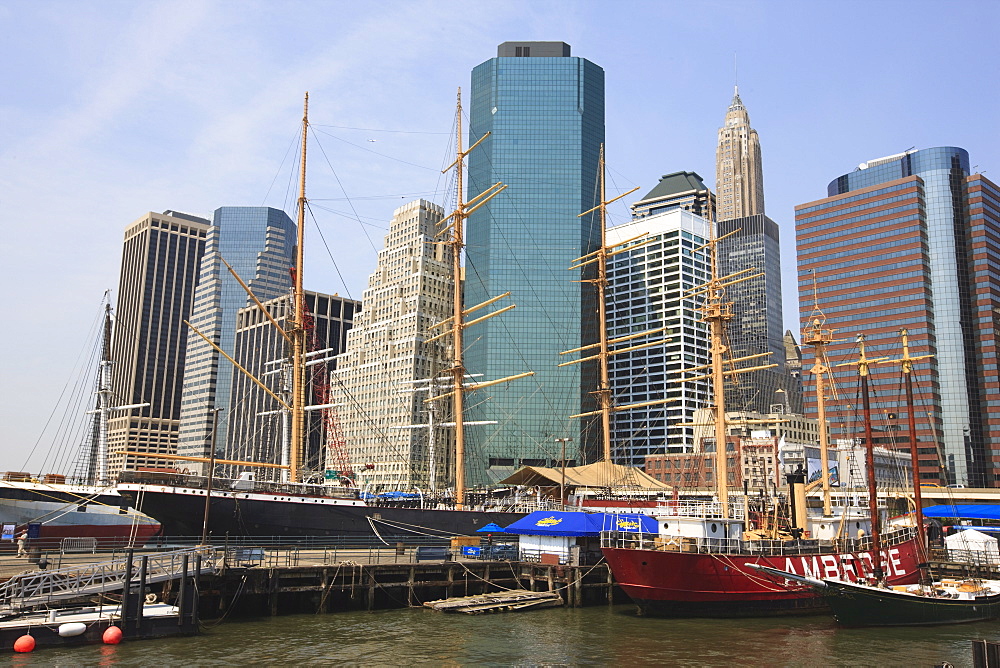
[456, 324]
[457, 243]
[600, 257]
[604, 385]
[820, 337]
[906, 364]
[716, 312]
[863, 363]
[298, 330]
[605, 352]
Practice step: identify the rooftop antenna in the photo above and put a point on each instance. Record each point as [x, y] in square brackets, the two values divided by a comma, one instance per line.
[736, 75]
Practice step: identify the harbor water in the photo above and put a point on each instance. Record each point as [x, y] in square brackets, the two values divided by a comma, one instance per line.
[594, 636]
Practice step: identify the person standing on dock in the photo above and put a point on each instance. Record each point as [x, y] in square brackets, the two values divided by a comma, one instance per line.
[22, 542]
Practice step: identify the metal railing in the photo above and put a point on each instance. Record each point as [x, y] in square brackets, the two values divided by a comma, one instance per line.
[276, 556]
[28, 589]
[700, 509]
[648, 541]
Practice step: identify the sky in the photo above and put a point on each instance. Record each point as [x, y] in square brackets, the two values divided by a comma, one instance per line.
[111, 109]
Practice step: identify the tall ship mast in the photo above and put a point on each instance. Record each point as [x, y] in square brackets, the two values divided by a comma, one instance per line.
[905, 362]
[298, 329]
[46, 505]
[598, 260]
[819, 337]
[452, 228]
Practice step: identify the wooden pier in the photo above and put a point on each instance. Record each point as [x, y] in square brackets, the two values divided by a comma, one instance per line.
[325, 588]
[256, 581]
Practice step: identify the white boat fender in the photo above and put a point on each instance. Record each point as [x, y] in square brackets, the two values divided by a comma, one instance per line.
[71, 629]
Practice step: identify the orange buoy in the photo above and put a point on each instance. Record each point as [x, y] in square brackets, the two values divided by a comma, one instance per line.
[112, 635]
[24, 644]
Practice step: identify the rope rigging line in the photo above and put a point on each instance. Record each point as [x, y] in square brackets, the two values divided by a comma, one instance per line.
[90, 343]
[404, 132]
[344, 190]
[382, 155]
[291, 145]
[322, 237]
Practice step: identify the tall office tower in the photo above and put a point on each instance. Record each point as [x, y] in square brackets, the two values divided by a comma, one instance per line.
[544, 112]
[382, 377]
[258, 243]
[258, 431]
[906, 241]
[646, 290]
[679, 190]
[756, 328]
[160, 261]
[739, 175]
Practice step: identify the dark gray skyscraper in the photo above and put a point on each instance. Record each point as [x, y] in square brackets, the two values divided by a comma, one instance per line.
[256, 426]
[544, 110]
[160, 261]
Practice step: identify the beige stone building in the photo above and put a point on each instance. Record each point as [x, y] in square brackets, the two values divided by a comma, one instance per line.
[381, 379]
[739, 177]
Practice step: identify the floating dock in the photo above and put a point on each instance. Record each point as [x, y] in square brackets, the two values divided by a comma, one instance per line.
[78, 626]
[505, 601]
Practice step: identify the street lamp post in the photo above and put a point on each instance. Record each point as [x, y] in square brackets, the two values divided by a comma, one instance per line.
[211, 475]
[562, 484]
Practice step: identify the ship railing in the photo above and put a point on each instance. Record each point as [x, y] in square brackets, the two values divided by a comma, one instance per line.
[233, 485]
[532, 506]
[705, 545]
[702, 509]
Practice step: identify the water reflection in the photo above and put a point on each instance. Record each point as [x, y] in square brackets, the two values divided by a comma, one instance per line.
[598, 636]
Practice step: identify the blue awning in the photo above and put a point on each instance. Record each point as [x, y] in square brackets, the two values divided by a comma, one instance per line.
[632, 522]
[968, 511]
[559, 523]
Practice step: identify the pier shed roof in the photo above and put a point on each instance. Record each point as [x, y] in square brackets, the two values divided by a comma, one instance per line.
[598, 475]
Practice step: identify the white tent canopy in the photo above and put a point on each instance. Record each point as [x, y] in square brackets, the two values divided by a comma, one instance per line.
[974, 547]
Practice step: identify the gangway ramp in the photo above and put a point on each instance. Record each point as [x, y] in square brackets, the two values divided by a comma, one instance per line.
[27, 590]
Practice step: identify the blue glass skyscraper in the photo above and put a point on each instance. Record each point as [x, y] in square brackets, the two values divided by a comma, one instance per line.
[544, 110]
[258, 243]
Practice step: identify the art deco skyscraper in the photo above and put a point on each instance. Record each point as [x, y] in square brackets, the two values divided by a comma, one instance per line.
[756, 328]
[543, 110]
[160, 261]
[739, 175]
[258, 243]
[387, 355]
